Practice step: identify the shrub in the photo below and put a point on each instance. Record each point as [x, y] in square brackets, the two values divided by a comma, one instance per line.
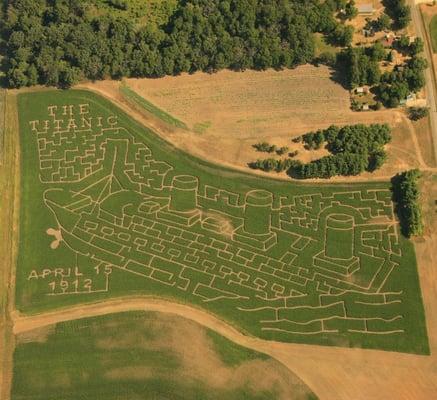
[416, 113]
[282, 150]
[264, 147]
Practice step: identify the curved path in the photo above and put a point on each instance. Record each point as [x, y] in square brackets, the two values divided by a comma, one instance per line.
[331, 372]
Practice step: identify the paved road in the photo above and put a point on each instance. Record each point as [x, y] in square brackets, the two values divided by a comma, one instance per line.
[430, 85]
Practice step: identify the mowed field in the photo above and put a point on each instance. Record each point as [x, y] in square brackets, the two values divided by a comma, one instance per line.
[250, 104]
[109, 209]
[219, 117]
[139, 355]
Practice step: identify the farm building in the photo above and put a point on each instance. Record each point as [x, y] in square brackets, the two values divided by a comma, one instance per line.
[362, 90]
[366, 9]
[387, 41]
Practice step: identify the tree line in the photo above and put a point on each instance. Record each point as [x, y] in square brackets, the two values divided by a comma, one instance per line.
[59, 42]
[354, 149]
[399, 11]
[406, 194]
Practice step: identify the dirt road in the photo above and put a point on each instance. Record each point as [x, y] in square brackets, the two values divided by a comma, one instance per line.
[9, 186]
[430, 86]
[332, 373]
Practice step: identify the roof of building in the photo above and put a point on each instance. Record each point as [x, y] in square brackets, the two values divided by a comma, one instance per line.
[365, 8]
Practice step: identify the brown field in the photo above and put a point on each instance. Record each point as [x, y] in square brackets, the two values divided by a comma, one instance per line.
[250, 104]
[292, 102]
[424, 137]
[235, 116]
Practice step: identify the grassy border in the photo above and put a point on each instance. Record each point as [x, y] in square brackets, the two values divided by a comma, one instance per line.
[131, 96]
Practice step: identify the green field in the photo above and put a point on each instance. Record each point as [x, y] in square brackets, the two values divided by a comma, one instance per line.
[135, 356]
[109, 209]
[433, 33]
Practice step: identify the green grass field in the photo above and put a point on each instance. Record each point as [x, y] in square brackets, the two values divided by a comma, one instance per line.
[109, 209]
[135, 356]
[433, 33]
[137, 101]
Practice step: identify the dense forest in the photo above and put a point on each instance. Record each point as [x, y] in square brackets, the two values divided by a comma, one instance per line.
[59, 42]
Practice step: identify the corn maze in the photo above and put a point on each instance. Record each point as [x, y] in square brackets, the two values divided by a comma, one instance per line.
[109, 209]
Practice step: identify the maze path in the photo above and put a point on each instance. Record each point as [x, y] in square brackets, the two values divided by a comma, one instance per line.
[305, 264]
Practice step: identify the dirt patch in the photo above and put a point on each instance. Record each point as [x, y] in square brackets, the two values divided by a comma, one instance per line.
[333, 373]
[39, 335]
[224, 225]
[198, 358]
[56, 233]
[137, 373]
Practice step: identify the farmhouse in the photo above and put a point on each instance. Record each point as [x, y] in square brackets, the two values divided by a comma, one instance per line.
[388, 40]
[365, 9]
[362, 90]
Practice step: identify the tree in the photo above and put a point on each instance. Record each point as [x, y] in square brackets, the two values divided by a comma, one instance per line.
[399, 11]
[350, 10]
[403, 43]
[416, 113]
[383, 22]
[69, 76]
[282, 150]
[416, 46]
[377, 160]
[327, 58]
[120, 4]
[358, 67]
[377, 52]
[406, 193]
[17, 77]
[353, 148]
[390, 56]
[392, 94]
[61, 42]
[264, 147]
[342, 35]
